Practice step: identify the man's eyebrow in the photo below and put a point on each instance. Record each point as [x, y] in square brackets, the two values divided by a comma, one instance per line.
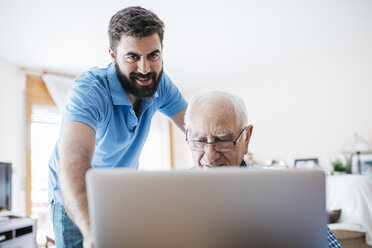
[197, 135]
[155, 51]
[138, 55]
[225, 134]
[131, 54]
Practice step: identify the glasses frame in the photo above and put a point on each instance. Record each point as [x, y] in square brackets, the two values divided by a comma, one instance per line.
[234, 142]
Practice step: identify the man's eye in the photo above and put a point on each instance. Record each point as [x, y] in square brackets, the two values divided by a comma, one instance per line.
[225, 143]
[131, 58]
[153, 56]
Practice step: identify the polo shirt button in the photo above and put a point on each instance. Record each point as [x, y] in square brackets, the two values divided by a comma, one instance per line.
[132, 122]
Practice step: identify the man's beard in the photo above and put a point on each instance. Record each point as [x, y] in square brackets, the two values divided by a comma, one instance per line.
[131, 86]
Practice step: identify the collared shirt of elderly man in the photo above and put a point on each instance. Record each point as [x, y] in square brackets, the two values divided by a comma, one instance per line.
[218, 133]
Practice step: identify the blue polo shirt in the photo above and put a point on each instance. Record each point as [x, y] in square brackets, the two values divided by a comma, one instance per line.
[98, 100]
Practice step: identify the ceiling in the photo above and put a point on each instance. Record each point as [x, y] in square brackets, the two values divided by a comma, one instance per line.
[205, 41]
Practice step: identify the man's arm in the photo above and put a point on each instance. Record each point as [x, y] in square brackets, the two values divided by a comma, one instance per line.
[179, 118]
[76, 153]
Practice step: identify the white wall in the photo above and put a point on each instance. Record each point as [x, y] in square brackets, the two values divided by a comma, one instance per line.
[307, 106]
[12, 128]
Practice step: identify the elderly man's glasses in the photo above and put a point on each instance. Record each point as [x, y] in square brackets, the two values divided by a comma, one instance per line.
[219, 146]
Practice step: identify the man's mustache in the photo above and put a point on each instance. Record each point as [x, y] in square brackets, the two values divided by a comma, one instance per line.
[135, 75]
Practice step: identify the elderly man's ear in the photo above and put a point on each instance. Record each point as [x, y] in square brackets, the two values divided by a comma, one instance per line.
[248, 131]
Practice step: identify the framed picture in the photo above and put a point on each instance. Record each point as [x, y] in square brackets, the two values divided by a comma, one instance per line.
[361, 164]
[306, 163]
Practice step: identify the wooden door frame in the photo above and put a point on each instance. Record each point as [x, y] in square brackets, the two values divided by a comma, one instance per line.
[36, 94]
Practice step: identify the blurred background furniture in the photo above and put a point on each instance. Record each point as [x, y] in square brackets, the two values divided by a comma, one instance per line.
[18, 232]
[355, 145]
[353, 195]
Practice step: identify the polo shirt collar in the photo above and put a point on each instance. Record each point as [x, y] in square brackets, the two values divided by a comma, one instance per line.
[118, 95]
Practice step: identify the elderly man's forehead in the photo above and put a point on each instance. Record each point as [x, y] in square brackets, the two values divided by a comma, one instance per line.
[211, 107]
[213, 100]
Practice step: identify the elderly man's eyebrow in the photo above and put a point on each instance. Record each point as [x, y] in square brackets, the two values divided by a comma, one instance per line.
[197, 135]
[225, 134]
[220, 135]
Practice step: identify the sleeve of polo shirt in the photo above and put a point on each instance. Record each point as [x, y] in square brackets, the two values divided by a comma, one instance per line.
[172, 100]
[87, 102]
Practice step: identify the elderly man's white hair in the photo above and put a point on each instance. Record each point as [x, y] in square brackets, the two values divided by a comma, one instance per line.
[236, 101]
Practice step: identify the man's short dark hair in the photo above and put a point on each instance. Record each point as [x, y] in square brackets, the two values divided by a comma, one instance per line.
[136, 22]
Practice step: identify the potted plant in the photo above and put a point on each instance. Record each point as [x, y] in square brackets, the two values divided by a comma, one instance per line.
[339, 168]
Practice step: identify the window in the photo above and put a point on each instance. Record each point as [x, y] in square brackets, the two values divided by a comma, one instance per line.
[41, 122]
[45, 124]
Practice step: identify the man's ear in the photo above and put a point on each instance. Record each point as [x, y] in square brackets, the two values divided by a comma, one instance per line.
[112, 54]
[248, 136]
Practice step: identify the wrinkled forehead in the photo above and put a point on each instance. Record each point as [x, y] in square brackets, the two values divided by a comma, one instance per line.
[213, 119]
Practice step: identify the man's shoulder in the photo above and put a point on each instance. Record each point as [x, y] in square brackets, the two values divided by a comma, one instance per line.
[90, 90]
[94, 74]
[167, 89]
[92, 83]
[165, 82]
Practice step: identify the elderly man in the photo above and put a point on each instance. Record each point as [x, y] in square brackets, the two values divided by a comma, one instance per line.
[218, 133]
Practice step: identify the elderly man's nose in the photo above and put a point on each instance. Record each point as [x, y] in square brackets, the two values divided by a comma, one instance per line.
[210, 153]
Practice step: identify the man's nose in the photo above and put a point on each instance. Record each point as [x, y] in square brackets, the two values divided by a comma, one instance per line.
[210, 154]
[143, 66]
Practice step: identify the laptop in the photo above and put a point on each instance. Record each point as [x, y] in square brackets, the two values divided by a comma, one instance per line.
[220, 208]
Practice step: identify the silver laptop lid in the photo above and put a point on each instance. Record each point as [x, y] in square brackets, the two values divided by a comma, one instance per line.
[216, 208]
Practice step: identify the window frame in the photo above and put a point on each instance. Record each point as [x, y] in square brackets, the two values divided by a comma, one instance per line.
[36, 94]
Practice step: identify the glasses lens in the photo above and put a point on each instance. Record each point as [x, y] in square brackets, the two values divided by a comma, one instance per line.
[196, 145]
[220, 146]
[224, 146]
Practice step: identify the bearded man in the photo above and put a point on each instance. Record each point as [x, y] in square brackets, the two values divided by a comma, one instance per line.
[107, 118]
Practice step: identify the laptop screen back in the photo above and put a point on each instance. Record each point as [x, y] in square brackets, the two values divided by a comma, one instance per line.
[216, 208]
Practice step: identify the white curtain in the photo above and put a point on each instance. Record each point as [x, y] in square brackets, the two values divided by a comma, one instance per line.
[58, 87]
